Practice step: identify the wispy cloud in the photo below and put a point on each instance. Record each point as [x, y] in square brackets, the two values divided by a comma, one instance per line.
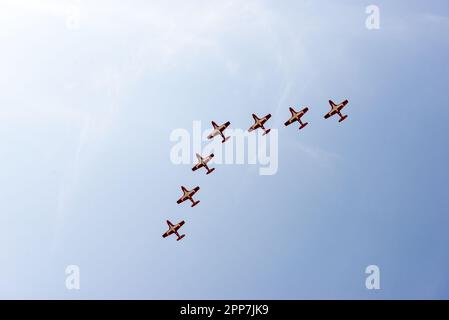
[318, 155]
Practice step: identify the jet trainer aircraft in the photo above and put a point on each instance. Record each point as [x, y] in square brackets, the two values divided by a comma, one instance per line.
[173, 229]
[336, 109]
[188, 194]
[259, 123]
[296, 116]
[202, 162]
[218, 130]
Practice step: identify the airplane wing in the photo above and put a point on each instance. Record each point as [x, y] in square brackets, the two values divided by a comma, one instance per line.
[181, 200]
[195, 190]
[213, 134]
[290, 121]
[265, 119]
[168, 233]
[208, 158]
[226, 125]
[254, 127]
[329, 114]
[179, 225]
[197, 166]
[344, 103]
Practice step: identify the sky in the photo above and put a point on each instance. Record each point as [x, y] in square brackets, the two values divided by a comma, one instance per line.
[92, 90]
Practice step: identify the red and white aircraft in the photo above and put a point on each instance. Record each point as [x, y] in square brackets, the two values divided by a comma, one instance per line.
[296, 116]
[218, 130]
[259, 123]
[188, 194]
[173, 229]
[336, 109]
[202, 162]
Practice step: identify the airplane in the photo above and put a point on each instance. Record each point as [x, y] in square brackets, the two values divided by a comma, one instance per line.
[188, 194]
[296, 116]
[202, 162]
[218, 130]
[336, 109]
[174, 229]
[259, 123]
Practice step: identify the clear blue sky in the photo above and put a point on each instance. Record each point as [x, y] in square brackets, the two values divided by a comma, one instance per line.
[87, 107]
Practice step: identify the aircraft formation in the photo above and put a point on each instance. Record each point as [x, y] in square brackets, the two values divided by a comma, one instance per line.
[218, 130]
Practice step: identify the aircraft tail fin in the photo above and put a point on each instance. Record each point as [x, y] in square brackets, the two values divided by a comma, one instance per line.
[195, 203]
[343, 118]
[180, 237]
[210, 170]
[266, 132]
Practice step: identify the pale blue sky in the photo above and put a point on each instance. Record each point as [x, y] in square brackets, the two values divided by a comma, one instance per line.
[86, 112]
